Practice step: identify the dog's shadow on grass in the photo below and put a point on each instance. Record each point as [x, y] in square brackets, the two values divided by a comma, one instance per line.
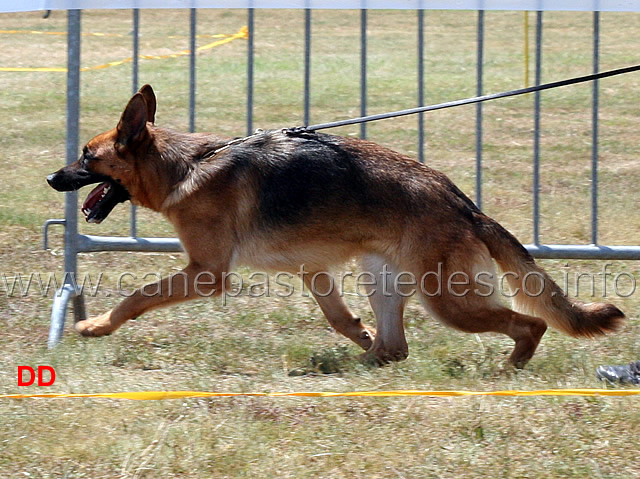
[334, 360]
[338, 360]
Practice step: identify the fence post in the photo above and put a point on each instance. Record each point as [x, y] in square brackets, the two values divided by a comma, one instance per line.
[479, 78]
[594, 130]
[69, 288]
[307, 67]
[421, 85]
[363, 70]
[134, 75]
[536, 134]
[192, 70]
[250, 54]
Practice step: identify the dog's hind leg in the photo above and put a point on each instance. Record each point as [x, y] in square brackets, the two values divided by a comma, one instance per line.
[526, 331]
[388, 304]
[464, 295]
[329, 298]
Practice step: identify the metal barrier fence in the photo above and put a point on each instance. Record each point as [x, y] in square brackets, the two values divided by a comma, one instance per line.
[78, 243]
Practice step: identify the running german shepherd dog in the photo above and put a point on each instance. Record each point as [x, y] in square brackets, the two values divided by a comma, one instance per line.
[280, 199]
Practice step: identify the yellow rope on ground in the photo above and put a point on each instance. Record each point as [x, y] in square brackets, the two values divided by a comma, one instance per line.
[243, 33]
[158, 395]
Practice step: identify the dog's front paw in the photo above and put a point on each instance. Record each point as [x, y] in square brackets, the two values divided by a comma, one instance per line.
[97, 326]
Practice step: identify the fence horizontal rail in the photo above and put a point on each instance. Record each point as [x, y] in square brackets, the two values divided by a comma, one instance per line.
[89, 243]
[561, 251]
[92, 243]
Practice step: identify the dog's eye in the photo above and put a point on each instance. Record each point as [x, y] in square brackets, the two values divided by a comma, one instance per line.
[87, 157]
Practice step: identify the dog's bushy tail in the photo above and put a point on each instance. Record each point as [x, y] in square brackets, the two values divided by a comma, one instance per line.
[536, 294]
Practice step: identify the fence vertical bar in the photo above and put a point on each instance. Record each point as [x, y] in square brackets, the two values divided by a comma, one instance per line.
[69, 288]
[594, 130]
[307, 66]
[73, 134]
[250, 58]
[135, 83]
[363, 70]
[421, 85]
[536, 133]
[526, 49]
[479, 89]
[192, 69]
[136, 50]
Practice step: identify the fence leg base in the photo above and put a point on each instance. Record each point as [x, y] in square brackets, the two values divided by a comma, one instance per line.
[59, 312]
[79, 308]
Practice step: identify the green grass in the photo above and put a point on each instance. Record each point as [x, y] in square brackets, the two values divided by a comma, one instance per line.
[274, 344]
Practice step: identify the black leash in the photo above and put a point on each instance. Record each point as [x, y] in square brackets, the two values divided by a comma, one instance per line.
[466, 101]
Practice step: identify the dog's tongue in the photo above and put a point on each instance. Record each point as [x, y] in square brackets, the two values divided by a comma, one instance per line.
[94, 197]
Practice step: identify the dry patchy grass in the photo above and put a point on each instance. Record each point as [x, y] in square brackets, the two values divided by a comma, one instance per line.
[256, 344]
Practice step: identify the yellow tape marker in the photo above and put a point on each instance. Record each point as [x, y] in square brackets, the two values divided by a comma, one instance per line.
[158, 395]
[242, 33]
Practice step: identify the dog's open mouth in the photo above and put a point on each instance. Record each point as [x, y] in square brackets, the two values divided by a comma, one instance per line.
[102, 199]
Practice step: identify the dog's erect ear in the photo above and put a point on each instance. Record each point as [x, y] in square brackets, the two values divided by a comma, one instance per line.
[150, 98]
[133, 123]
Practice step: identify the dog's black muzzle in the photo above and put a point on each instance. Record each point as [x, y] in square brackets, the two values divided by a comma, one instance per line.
[100, 201]
[71, 179]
